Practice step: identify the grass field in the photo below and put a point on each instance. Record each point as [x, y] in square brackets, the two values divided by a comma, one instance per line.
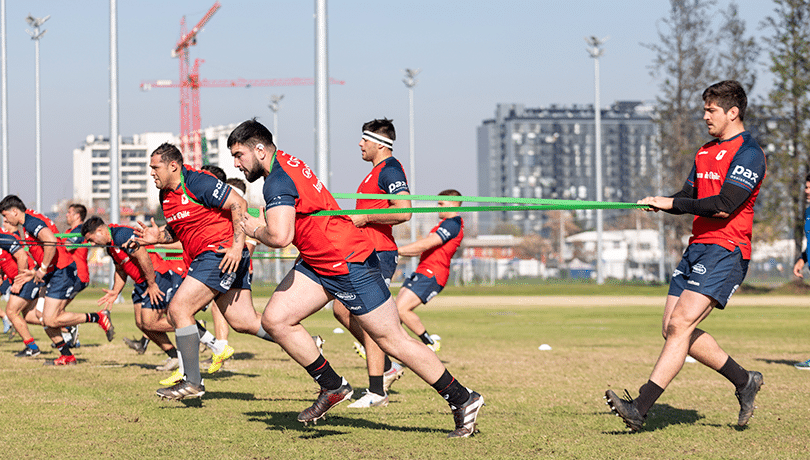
[539, 404]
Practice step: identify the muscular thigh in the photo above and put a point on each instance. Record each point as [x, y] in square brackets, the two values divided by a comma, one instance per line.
[295, 298]
[192, 295]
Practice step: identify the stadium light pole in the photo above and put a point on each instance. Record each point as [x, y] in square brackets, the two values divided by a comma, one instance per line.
[321, 93]
[275, 105]
[115, 181]
[595, 51]
[35, 23]
[4, 97]
[411, 81]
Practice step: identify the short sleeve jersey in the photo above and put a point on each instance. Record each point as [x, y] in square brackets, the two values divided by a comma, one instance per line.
[194, 213]
[79, 254]
[326, 243]
[9, 245]
[741, 162]
[387, 177]
[121, 255]
[436, 261]
[33, 224]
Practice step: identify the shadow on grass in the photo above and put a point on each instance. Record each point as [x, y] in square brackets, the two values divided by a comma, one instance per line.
[787, 362]
[282, 421]
[661, 416]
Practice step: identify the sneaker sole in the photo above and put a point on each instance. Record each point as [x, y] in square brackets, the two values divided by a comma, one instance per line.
[315, 420]
[475, 422]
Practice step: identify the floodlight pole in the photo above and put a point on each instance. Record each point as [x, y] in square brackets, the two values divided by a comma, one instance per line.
[595, 51]
[275, 105]
[35, 23]
[411, 81]
[4, 97]
[115, 181]
[321, 93]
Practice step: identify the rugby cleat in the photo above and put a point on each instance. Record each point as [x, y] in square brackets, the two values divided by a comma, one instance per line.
[319, 341]
[176, 377]
[370, 399]
[466, 416]
[218, 358]
[183, 389]
[138, 345]
[327, 399]
[392, 375]
[62, 360]
[624, 408]
[170, 364]
[105, 322]
[28, 353]
[746, 397]
[360, 350]
[804, 365]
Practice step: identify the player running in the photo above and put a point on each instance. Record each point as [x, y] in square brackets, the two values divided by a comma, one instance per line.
[720, 191]
[435, 251]
[337, 261]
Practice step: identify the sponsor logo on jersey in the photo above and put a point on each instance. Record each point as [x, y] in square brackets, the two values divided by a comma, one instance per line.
[178, 216]
[700, 269]
[745, 172]
[711, 175]
[676, 273]
[703, 152]
[393, 186]
[720, 155]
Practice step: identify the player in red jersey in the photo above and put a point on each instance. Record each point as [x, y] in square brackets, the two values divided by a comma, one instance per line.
[337, 261]
[386, 177]
[75, 216]
[720, 191]
[58, 271]
[435, 251]
[203, 214]
[23, 293]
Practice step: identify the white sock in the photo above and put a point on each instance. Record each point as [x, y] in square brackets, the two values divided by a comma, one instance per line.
[218, 346]
[208, 340]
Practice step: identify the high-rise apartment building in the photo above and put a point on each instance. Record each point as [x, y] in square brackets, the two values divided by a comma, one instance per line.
[549, 153]
[91, 169]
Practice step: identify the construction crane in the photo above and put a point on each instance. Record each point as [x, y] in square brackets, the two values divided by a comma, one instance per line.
[190, 84]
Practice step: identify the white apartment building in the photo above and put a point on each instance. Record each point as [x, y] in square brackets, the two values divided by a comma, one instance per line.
[91, 169]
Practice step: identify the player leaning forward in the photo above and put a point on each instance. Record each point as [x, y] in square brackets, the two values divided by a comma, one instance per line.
[720, 191]
[337, 261]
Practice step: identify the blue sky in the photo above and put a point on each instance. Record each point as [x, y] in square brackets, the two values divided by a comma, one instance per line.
[473, 55]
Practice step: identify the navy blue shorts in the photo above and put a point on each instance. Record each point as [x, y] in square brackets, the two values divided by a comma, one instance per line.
[205, 268]
[30, 290]
[5, 286]
[362, 290]
[711, 270]
[425, 287]
[388, 264]
[61, 283]
[167, 282]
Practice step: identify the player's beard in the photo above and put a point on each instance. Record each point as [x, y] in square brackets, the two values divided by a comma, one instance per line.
[255, 172]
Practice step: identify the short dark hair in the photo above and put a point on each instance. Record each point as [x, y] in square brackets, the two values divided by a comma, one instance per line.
[807, 178]
[12, 201]
[169, 153]
[216, 171]
[90, 225]
[381, 126]
[79, 209]
[250, 134]
[451, 192]
[238, 183]
[727, 94]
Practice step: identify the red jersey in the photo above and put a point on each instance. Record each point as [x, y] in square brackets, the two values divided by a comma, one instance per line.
[33, 224]
[436, 261]
[9, 245]
[122, 234]
[741, 161]
[325, 243]
[194, 213]
[79, 254]
[387, 177]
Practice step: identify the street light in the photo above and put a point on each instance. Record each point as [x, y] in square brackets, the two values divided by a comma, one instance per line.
[595, 51]
[411, 81]
[36, 35]
[275, 106]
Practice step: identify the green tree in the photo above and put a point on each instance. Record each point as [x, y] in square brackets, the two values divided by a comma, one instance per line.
[788, 111]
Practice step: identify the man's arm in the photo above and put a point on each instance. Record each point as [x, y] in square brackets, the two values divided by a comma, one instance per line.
[233, 255]
[361, 220]
[276, 230]
[110, 295]
[144, 264]
[49, 241]
[418, 247]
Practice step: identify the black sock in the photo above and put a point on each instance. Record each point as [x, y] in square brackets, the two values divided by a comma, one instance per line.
[735, 373]
[172, 353]
[63, 348]
[647, 395]
[387, 364]
[451, 390]
[426, 338]
[322, 372]
[92, 317]
[144, 342]
[375, 384]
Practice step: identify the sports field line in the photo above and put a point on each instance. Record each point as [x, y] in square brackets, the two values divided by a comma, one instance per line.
[500, 302]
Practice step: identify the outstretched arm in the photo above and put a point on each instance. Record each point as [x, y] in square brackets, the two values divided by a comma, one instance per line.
[418, 247]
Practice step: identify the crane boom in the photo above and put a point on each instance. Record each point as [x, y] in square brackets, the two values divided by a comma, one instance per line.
[191, 37]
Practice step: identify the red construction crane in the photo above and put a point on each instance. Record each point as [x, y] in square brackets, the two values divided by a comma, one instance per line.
[190, 84]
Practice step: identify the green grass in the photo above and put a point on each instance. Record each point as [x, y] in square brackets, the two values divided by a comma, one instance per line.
[540, 404]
